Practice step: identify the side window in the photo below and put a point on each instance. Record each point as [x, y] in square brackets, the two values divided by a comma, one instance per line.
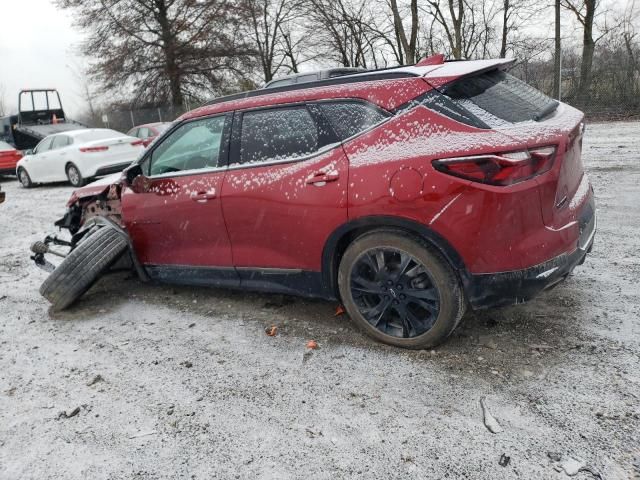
[133, 132]
[351, 118]
[143, 133]
[44, 145]
[192, 146]
[278, 134]
[60, 141]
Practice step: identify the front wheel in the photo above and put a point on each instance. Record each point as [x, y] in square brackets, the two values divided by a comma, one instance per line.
[400, 290]
[24, 178]
[83, 266]
[74, 176]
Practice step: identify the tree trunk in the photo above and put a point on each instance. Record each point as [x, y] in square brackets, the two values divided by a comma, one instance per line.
[171, 64]
[557, 75]
[457, 27]
[408, 47]
[588, 47]
[505, 29]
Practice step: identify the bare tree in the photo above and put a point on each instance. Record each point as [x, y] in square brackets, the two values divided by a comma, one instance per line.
[557, 52]
[408, 45]
[344, 30]
[274, 44]
[585, 13]
[161, 50]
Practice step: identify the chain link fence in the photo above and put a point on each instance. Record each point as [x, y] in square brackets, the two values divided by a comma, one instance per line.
[125, 119]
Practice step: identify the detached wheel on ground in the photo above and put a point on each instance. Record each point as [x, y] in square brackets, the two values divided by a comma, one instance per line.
[400, 290]
[24, 178]
[82, 267]
[74, 176]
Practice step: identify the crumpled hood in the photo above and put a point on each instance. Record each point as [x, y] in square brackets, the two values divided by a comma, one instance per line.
[94, 188]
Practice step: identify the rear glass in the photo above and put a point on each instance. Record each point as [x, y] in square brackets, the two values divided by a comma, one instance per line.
[498, 98]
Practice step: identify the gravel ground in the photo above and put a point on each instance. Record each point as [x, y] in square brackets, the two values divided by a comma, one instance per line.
[190, 386]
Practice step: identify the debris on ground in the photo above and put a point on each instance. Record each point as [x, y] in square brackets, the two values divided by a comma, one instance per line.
[271, 331]
[69, 414]
[339, 311]
[489, 421]
[554, 456]
[143, 434]
[94, 380]
[308, 353]
[504, 460]
[571, 466]
[186, 364]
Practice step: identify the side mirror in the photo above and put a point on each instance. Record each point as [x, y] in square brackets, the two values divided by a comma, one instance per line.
[140, 184]
[28, 151]
[135, 179]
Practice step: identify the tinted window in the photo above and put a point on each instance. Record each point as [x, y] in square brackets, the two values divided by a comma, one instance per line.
[44, 145]
[496, 97]
[278, 134]
[192, 146]
[350, 118]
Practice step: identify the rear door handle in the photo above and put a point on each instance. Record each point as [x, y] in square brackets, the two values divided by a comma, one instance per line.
[202, 197]
[321, 178]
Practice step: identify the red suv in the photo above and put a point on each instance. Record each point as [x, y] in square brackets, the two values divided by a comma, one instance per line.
[409, 194]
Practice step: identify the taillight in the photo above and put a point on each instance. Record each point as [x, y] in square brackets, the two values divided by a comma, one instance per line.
[499, 168]
[137, 143]
[94, 149]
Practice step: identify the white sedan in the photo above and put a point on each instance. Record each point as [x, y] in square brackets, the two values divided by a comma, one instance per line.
[78, 156]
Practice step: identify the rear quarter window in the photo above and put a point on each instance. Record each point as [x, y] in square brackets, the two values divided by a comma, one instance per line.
[350, 118]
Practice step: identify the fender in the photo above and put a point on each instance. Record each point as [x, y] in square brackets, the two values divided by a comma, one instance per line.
[337, 244]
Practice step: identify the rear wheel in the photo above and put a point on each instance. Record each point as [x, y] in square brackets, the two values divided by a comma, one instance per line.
[74, 176]
[400, 290]
[24, 178]
[83, 266]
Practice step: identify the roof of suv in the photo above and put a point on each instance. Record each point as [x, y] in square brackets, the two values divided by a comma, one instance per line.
[372, 85]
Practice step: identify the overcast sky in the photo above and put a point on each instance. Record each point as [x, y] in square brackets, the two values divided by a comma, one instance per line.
[38, 49]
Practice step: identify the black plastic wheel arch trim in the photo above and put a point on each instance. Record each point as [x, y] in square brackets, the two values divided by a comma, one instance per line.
[370, 223]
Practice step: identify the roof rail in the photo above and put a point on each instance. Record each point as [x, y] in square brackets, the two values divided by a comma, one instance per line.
[369, 76]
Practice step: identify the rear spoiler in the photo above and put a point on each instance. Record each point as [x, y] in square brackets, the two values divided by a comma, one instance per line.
[450, 71]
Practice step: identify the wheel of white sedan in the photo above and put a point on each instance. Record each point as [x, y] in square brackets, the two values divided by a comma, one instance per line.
[24, 178]
[74, 176]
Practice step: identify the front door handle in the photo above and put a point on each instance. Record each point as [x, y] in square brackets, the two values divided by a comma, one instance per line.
[202, 197]
[321, 178]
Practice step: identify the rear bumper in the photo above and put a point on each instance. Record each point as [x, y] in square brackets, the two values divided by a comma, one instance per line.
[8, 171]
[509, 288]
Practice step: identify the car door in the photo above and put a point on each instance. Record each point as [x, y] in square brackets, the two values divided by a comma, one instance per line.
[58, 157]
[38, 165]
[177, 228]
[284, 194]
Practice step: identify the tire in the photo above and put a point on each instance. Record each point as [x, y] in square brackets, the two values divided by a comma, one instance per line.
[82, 267]
[24, 178]
[74, 176]
[371, 284]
